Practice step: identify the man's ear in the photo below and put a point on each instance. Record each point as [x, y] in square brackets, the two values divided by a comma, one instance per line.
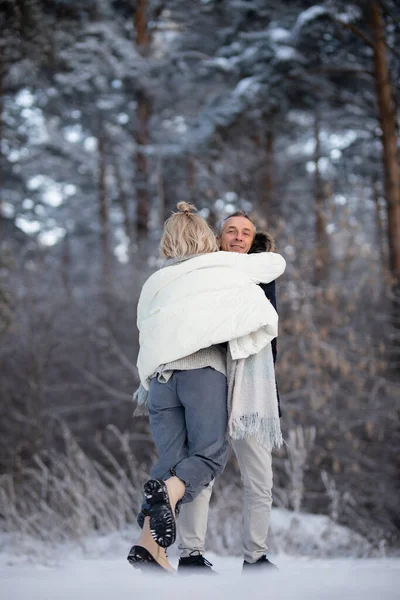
[218, 238]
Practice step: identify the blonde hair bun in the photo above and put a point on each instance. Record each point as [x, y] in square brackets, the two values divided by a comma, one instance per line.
[186, 234]
[186, 208]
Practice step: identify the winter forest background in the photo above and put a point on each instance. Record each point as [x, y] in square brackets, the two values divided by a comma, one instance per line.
[112, 111]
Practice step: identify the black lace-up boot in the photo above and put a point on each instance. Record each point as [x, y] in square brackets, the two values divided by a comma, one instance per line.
[260, 565]
[195, 564]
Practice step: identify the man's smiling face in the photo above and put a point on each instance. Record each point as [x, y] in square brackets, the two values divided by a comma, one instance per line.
[237, 235]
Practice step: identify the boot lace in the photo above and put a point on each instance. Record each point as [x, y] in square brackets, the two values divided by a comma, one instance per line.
[200, 557]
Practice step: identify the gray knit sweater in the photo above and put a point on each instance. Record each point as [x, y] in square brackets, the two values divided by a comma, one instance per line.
[214, 357]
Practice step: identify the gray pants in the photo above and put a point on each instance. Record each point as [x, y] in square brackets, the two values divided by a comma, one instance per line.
[188, 422]
[255, 464]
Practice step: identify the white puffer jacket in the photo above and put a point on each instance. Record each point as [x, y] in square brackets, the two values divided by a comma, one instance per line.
[206, 300]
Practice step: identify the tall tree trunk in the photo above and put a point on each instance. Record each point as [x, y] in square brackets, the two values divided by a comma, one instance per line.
[387, 120]
[140, 25]
[265, 181]
[142, 137]
[162, 216]
[192, 179]
[123, 202]
[66, 266]
[170, 171]
[104, 217]
[212, 220]
[2, 74]
[318, 185]
[321, 242]
[268, 179]
[141, 134]
[379, 223]
[192, 192]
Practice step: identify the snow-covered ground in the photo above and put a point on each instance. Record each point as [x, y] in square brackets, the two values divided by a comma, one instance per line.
[96, 568]
[113, 578]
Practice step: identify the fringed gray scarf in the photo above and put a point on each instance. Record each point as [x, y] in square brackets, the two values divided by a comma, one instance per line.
[252, 399]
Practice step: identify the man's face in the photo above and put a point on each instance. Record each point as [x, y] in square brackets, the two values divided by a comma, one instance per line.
[237, 235]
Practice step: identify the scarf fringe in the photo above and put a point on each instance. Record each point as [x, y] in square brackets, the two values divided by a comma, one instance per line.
[267, 431]
[140, 398]
[141, 411]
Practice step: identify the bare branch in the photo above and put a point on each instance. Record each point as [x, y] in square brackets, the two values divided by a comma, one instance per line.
[101, 384]
[340, 71]
[116, 348]
[359, 32]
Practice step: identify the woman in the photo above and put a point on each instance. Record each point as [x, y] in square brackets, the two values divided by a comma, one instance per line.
[199, 300]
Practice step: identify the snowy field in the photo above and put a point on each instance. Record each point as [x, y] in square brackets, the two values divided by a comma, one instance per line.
[95, 568]
[113, 578]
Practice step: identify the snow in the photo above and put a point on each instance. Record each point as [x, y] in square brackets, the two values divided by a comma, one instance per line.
[28, 226]
[284, 53]
[95, 567]
[279, 35]
[225, 64]
[310, 14]
[53, 196]
[246, 86]
[7, 209]
[316, 535]
[25, 98]
[105, 577]
[52, 237]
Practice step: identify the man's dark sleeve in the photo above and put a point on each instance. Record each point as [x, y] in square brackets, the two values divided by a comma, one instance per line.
[269, 290]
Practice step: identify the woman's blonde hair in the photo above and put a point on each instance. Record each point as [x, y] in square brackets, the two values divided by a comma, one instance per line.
[186, 234]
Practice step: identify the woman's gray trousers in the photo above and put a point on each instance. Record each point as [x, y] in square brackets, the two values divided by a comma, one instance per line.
[188, 422]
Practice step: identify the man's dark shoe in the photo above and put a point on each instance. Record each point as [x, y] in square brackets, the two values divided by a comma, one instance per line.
[261, 564]
[195, 564]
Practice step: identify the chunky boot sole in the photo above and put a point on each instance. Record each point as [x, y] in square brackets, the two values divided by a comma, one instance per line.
[140, 558]
[144, 513]
[162, 518]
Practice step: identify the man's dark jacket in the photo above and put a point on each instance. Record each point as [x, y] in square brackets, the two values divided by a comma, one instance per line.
[263, 243]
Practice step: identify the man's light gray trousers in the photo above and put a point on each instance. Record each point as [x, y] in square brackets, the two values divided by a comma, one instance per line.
[255, 464]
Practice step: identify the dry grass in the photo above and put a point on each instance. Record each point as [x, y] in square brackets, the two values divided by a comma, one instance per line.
[69, 495]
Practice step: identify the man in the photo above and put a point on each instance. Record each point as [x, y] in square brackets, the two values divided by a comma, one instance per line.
[237, 234]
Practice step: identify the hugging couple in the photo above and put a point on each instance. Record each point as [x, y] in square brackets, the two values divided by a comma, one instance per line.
[207, 325]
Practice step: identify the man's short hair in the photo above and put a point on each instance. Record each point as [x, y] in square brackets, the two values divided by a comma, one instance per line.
[238, 213]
